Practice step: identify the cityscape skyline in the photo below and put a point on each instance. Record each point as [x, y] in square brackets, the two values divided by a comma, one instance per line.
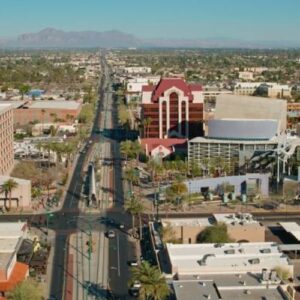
[216, 19]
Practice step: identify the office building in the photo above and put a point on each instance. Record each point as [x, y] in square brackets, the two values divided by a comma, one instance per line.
[6, 139]
[174, 108]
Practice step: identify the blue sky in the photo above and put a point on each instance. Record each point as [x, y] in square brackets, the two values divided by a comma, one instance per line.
[241, 19]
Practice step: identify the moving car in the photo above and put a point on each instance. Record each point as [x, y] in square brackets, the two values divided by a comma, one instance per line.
[110, 234]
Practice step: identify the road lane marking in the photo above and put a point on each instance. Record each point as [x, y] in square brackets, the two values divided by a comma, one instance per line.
[118, 247]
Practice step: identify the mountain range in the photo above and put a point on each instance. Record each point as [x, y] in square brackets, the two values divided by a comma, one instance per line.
[54, 38]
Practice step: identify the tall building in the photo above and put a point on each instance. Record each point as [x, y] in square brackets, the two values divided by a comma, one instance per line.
[174, 108]
[6, 139]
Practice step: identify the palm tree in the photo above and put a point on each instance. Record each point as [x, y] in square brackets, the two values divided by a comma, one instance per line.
[126, 149]
[132, 176]
[135, 208]
[153, 284]
[43, 111]
[7, 187]
[147, 122]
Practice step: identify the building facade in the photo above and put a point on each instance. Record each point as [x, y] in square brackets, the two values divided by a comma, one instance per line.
[6, 139]
[173, 108]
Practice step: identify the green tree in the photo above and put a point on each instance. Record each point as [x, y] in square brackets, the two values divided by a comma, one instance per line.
[26, 290]
[215, 234]
[132, 176]
[7, 187]
[126, 149]
[24, 89]
[153, 283]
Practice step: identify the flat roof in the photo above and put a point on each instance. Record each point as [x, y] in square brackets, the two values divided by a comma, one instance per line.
[233, 286]
[235, 219]
[191, 290]
[192, 222]
[189, 259]
[4, 107]
[12, 103]
[253, 294]
[291, 227]
[20, 181]
[54, 104]
[12, 229]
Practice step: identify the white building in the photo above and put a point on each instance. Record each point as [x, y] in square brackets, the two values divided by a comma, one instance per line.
[134, 86]
[246, 75]
[246, 88]
[225, 259]
[138, 70]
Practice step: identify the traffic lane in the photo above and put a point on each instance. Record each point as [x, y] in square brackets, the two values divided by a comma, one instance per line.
[120, 249]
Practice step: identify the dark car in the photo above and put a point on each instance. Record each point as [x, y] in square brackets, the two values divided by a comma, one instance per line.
[132, 263]
[134, 291]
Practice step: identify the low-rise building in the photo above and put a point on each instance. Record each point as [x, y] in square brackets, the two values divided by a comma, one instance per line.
[246, 75]
[226, 259]
[138, 70]
[11, 271]
[44, 111]
[240, 227]
[162, 148]
[134, 86]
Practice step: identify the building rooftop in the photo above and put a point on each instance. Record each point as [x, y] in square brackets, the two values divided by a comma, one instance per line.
[191, 222]
[4, 107]
[12, 229]
[191, 290]
[291, 227]
[242, 129]
[54, 104]
[238, 286]
[235, 219]
[189, 259]
[249, 107]
[20, 181]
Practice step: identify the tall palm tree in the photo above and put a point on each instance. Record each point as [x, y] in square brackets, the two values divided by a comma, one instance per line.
[135, 207]
[147, 122]
[153, 283]
[7, 187]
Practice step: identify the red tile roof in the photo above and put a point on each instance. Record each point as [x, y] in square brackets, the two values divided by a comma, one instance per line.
[153, 143]
[148, 88]
[167, 83]
[17, 275]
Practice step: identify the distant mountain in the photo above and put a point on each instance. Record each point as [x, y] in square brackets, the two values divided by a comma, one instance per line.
[53, 38]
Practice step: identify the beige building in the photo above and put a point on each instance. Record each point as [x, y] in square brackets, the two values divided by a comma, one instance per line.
[21, 195]
[241, 227]
[6, 139]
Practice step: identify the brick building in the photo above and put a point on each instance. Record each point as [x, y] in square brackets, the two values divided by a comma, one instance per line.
[174, 108]
[45, 111]
[6, 139]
